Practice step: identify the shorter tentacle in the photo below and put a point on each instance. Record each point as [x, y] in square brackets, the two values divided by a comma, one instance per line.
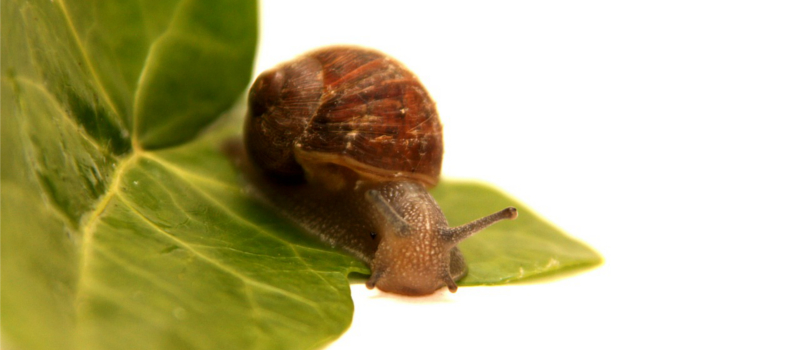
[373, 279]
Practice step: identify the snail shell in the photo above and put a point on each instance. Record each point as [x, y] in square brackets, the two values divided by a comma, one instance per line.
[346, 142]
[343, 106]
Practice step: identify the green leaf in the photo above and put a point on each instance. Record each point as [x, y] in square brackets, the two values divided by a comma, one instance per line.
[183, 86]
[122, 229]
[509, 251]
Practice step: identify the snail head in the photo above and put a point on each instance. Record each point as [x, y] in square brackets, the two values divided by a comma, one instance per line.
[414, 255]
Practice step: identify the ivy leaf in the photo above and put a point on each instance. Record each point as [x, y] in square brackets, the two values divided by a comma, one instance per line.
[123, 224]
[509, 251]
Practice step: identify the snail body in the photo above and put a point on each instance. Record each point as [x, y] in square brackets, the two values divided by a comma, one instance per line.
[348, 142]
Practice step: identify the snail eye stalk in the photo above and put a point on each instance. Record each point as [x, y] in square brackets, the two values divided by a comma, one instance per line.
[459, 233]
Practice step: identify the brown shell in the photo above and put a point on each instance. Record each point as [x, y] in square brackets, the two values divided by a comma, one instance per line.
[347, 106]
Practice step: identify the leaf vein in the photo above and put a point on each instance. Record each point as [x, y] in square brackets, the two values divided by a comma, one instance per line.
[214, 262]
[255, 312]
[188, 174]
[146, 67]
[258, 228]
[89, 226]
[63, 114]
[146, 274]
[89, 63]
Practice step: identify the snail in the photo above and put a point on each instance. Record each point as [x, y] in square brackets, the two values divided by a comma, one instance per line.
[348, 142]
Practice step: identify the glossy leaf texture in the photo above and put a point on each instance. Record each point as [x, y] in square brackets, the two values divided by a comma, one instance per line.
[510, 251]
[124, 229]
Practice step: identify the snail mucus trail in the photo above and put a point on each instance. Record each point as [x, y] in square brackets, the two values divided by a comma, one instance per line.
[346, 142]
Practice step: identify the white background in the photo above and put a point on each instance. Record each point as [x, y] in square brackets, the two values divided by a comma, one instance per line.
[663, 134]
